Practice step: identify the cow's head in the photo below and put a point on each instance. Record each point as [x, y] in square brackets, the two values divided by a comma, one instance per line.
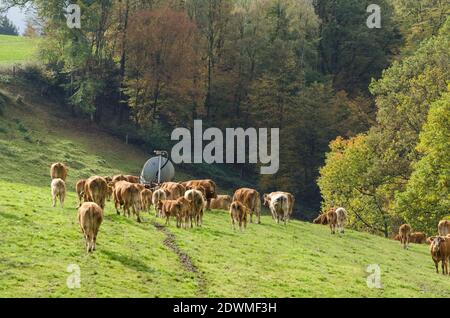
[436, 242]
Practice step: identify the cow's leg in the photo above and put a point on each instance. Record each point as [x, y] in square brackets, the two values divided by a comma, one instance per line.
[443, 266]
[436, 264]
[53, 200]
[61, 200]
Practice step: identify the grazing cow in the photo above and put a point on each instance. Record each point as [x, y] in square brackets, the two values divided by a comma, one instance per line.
[341, 219]
[251, 199]
[444, 227]
[158, 195]
[418, 238]
[169, 208]
[238, 214]
[79, 188]
[404, 232]
[278, 203]
[332, 219]
[174, 190]
[440, 252]
[119, 177]
[133, 179]
[222, 202]
[90, 217]
[209, 186]
[321, 219]
[58, 170]
[198, 203]
[96, 190]
[146, 199]
[127, 194]
[58, 191]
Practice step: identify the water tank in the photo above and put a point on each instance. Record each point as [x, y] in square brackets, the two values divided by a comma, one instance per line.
[149, 173]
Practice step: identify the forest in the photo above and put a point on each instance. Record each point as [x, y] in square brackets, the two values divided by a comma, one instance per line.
[363, 112]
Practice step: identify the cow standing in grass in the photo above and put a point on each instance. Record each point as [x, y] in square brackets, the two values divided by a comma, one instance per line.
[96, 190]
[158, 195]
[332, 219]
[127, 194]
[146, 199]
[58, 191]
[209, 186]
[404, 232]
[341, 220]
[238, 214]
[90, 217]
[198, 204]
[58, 170]
[251, 199]
[440, 252]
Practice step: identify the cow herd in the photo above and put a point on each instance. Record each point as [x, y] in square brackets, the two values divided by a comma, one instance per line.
[186, 202]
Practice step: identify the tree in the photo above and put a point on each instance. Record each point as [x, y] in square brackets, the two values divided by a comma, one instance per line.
[7, 27]
[426, 199]
[162, 65]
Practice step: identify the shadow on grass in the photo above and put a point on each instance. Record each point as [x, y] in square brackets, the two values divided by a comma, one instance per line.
[129, 262]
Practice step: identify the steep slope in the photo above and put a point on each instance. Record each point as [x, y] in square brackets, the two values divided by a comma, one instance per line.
[39, 243]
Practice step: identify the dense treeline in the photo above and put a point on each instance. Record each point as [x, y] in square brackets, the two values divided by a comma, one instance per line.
[301, 65]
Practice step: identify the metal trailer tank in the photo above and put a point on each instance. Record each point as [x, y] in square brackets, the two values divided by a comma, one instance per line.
[150, 172]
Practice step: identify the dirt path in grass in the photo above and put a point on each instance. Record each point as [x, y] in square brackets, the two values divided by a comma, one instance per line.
[185, 260]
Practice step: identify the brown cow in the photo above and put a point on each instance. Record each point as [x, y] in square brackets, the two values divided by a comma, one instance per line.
[185, 213]
[332, 219]
[157, 196]
[198, 203]
[251, 199]
[96, 190]
[418, 238]
[58, 191]
[222, 202]
[133, 179]
[404, 232]
[444, 227]
[174, 190]
[238, 214]
[440, 252]
[58, 170]
[119, 177]
[146, 199]
[321, 219]
[169, 208]
[90, 217]
[127, 194]
[209, 186]
[79, 188]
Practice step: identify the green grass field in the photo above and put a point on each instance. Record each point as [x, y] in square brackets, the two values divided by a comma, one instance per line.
[39, 242]
[16, 49]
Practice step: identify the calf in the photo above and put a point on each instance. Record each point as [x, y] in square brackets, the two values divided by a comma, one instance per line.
[222, 202]
[444, 227]
[157, 196]
[185, 213]
[238, 214]
[440, 252]
[58, 191]
[404, 232]
[79, 188]
[90, 217]
[58, 170]
[198, 204]
[341, 219]
[169, 208]
[251, 199]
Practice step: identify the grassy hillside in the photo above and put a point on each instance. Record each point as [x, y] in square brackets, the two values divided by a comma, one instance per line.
[143, 260]
[15, 49]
